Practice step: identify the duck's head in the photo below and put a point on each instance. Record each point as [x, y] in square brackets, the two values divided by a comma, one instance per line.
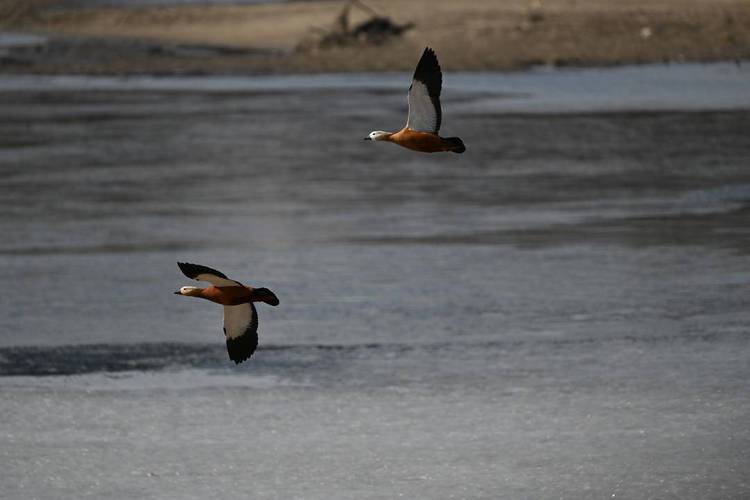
[377, 135]
[190, 291]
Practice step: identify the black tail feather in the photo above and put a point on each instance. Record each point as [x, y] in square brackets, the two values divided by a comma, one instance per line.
[457, 145]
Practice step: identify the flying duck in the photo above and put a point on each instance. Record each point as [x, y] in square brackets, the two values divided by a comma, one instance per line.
[423, 122]
[240, 316]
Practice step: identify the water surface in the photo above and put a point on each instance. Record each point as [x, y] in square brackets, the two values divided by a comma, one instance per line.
[561, 312]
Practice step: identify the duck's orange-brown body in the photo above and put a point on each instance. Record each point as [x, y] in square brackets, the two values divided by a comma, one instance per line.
[233, 295]
[240, 316]
[426, 142]
[227, 295]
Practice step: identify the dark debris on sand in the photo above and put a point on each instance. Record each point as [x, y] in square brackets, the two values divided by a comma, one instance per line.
[376, 29]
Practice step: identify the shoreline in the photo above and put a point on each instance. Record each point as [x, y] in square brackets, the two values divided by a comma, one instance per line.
[267, 38]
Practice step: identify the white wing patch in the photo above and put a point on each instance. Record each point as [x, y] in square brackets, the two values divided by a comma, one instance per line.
[216, 280]
[239, 319]
[423, 116]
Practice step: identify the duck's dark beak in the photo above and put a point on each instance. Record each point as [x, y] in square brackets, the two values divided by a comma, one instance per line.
[177, 293]
[367, 139]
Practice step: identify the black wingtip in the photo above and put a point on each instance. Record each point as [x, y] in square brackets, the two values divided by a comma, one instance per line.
[186, 269]
[241, 348]
[428, 72]
[193, 270]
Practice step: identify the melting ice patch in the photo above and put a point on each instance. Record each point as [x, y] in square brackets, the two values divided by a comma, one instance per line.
[715, 200]
[653, 87]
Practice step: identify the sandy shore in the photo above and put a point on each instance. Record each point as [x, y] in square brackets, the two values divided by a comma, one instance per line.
[477, 35]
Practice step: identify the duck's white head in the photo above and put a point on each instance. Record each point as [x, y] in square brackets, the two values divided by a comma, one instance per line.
[187, 290]
[377, 135]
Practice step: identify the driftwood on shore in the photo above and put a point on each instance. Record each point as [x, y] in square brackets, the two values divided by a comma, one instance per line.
[375, 29]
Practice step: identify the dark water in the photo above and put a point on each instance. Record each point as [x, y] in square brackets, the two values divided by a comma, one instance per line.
[561, 312]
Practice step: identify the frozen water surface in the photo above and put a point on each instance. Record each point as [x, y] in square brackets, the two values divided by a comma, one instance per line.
[561, 312]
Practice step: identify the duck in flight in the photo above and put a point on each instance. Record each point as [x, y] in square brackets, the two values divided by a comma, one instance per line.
[240, 316]
[423, 122]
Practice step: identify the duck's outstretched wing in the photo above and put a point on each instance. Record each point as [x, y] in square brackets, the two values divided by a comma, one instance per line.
[241, 331]
[203, 273]
[424, 95]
